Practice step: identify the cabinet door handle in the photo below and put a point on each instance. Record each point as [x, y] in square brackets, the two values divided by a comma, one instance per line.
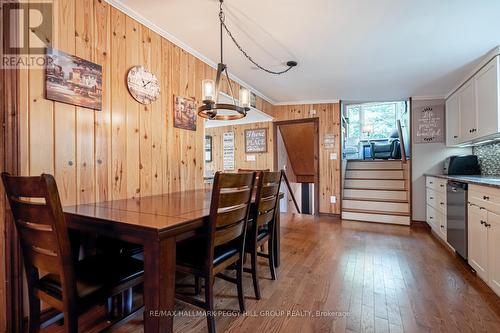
[487, 225]
[430, 217]
[485, 197]
[483, 222]
[455, 136]
[442, 185]
[431, 182]
[442, 203]
[432, 198]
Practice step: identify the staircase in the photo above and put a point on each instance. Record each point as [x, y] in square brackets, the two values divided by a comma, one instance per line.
[377, 191]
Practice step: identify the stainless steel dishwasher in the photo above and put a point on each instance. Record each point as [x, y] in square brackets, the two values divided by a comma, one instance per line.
[457, 217]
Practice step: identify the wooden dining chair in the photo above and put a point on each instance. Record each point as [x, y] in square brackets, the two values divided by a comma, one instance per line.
[223, 244]
[52, 276]
[262, 221]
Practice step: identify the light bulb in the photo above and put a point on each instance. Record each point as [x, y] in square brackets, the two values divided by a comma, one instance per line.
[244, 97]
[208, 90]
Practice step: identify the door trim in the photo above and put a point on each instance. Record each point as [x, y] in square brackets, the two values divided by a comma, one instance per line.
[315, 122]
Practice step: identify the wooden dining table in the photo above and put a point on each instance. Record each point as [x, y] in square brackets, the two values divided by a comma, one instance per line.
[156, 222]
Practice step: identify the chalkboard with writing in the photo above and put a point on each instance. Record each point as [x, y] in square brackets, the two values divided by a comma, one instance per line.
[428, 124]
[256, 140]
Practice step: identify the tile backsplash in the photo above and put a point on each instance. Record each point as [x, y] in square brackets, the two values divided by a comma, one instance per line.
[489, 158]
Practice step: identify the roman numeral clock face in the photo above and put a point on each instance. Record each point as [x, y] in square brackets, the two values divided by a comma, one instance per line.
[143, 85]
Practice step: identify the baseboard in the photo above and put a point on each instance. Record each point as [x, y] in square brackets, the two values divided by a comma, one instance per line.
[335, 216]
[420, 224]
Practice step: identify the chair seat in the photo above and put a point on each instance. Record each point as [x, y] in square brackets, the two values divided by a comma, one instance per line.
[192, 252]
[96, 275]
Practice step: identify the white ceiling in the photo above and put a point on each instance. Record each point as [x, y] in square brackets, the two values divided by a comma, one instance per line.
[365, 50]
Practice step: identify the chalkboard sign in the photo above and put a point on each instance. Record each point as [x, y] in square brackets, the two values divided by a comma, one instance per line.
[256, 140]
[429, 124]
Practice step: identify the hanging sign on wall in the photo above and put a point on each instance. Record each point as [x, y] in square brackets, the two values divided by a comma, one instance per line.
[329, 141]
[429, 124]
[228, 151]
[256, 140]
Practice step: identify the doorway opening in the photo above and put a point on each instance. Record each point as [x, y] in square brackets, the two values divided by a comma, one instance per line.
[296, 151]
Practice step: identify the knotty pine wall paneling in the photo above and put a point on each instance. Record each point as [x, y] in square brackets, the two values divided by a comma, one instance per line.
[262, 160]
[329, 122]
[127, 149]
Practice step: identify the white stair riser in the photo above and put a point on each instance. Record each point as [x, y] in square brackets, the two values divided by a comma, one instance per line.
[375, 165]
[380, 218]
[396, 207]
[375, 174]
[375, 184]
[375, 194]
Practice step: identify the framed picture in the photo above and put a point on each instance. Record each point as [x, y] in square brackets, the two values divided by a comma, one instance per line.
[73, 80]
[256, 140]
[253, 100]
[429, 124]
[208, 148]
[184, 113]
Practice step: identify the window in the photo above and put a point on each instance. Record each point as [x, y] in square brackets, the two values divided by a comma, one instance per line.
[373, 120]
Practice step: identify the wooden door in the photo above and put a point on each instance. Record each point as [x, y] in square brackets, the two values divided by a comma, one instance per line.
[478, 243]
[494, 252]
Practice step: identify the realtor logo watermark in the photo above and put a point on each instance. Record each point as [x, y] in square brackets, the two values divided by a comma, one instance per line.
[27, 31]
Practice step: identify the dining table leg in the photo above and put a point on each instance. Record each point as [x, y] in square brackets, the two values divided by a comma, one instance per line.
[159, 285]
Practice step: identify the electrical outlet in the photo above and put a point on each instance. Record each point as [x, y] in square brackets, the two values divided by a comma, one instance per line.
[312, 112]
[250, 157]
[333, 199]
[333, 156]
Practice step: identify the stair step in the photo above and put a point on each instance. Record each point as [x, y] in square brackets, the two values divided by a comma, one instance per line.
[375, 165]
[374, 174]
[375, 199]
[375, 194]
[379, 217]
[375, 184]
[376, 206]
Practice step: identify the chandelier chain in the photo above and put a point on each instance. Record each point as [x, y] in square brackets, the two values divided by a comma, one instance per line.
[222, 19]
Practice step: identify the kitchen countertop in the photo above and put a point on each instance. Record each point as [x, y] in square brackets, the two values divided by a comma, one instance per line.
[492, 181]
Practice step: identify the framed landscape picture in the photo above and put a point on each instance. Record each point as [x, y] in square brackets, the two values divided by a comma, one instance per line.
[184, 113]
[73, 80]
[256, 140]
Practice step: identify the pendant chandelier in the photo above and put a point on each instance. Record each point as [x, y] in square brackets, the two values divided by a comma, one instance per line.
[210, 89]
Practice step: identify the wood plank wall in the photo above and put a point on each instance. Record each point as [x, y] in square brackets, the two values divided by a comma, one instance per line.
[127, 149]
[329, 170]
[262, 160]
[329, 123]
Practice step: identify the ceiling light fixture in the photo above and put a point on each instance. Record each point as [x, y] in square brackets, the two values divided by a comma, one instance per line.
[210, 89]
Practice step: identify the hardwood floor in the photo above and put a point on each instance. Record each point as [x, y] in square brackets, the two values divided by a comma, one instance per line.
[384, 278]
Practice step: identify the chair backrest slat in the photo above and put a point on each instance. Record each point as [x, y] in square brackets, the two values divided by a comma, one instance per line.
[39, 220]
[229, 209]
[266, 200]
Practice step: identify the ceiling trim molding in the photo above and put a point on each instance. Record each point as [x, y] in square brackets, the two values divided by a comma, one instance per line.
[495, 52]
[313, 101]
[425, 98]
[167, 35]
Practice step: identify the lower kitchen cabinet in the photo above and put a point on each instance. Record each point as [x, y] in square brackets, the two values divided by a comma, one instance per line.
[477, 252]
[484, 235]
[494, 251]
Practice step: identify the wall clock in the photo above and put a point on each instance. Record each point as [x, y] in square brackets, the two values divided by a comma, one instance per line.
[143, 85]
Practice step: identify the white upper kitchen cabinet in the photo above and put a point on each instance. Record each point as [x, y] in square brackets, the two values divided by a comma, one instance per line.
[452, 121]
[468, 115]
[487, 94]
